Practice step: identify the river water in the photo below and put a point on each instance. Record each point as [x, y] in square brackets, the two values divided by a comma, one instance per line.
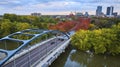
[76, 58]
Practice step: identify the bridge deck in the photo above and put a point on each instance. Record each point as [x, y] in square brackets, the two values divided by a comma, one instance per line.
[36, 55]
[53, 55]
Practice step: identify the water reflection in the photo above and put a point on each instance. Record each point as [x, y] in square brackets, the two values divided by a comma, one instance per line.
[96, 60]
[74, 58]
[61, 60]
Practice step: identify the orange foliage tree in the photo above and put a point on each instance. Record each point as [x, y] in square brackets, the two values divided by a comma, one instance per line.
[62, 26]
[81, 23]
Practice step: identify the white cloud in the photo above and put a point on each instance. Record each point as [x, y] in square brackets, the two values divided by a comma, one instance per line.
[18, 8]
[56, 6]
[2, 3]
[5, 2]
[15, 1]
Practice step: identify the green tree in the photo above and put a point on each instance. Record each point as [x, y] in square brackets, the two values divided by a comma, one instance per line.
[100, 41]
[23, 26]
[11, 17]
[6, 27]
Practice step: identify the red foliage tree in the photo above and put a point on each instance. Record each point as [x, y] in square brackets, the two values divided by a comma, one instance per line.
[81, 23]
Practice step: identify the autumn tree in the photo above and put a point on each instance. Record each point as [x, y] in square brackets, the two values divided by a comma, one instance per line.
[100, 41]
[6, 27]
[23, 26]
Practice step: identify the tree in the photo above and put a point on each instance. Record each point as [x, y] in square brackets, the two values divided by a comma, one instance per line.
[101, 41]
[23, 26]
[11, 17]
[6, 27]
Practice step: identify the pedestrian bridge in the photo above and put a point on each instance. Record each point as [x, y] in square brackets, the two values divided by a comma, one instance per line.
[32, 48]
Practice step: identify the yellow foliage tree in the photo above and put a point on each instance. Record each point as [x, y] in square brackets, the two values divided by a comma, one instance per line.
[6, 27]
[23, 26]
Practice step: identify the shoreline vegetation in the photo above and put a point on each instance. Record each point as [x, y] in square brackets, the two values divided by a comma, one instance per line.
[99, 40]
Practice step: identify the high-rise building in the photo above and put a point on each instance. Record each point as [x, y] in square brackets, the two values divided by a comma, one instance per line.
[99, 11]
[109, 11]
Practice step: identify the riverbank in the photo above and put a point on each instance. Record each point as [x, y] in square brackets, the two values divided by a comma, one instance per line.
[76, 58]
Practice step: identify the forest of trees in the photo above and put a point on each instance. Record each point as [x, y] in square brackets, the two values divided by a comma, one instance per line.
[11, 23]
[103, 37]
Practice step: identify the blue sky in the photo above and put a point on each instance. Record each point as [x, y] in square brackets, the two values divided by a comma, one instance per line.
[50, 7]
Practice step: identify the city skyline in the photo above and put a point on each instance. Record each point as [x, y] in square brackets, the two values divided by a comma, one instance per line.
[56, 7]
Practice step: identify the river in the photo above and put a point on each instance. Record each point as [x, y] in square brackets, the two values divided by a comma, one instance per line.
[75, 58]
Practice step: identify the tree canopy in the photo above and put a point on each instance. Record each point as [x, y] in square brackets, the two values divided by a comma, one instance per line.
[100, 41]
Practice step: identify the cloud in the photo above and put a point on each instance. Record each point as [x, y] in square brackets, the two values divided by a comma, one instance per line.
[7, 2]
[55, 6]
[3, 3]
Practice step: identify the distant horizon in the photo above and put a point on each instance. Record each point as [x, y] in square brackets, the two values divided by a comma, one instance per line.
[56, 7]
[50, 13]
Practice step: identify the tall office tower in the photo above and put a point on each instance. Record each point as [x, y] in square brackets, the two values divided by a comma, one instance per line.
[99, 10]
[109, 11]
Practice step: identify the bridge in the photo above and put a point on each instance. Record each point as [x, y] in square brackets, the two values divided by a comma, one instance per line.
[32, 48]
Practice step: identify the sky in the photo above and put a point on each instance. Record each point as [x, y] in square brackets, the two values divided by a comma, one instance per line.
[56, 7]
